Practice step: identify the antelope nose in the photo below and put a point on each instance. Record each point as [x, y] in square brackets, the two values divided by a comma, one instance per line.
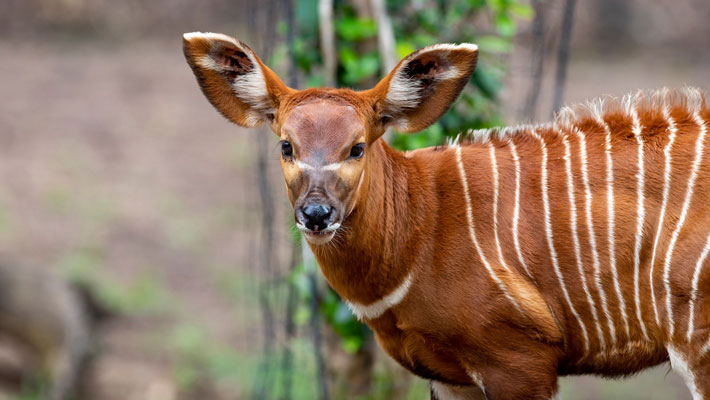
[316, 216]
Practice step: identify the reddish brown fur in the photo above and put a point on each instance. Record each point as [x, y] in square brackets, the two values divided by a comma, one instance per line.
[408, 218]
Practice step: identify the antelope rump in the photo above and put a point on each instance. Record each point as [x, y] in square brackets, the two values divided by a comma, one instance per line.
[495, 263]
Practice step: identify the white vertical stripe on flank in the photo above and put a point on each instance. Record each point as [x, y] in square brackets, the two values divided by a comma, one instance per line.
[664, 204]
[478, 380]
[680, 366]
[494, 167]
[575, 240]
[550, 243]
[610, 221]
[516, 210]
[592, 237]
[472, 231]
[705, 349]
[640, 216]
[697, 160]
[694, 290]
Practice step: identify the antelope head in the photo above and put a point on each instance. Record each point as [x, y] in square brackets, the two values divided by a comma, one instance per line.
[326, 134]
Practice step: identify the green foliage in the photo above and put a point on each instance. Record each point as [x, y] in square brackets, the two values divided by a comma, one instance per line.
[453, 21]
[35, 387]
[339, 316]
[419, 23]
[202, 361]
[142, 295]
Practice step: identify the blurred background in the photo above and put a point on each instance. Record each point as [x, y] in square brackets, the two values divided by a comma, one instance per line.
[146, 246]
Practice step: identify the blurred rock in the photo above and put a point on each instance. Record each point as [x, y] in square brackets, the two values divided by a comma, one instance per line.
[46, 331]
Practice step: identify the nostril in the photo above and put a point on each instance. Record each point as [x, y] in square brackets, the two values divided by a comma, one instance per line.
[316, 216]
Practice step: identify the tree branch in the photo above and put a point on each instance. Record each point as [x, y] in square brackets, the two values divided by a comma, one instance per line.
[327, 40]
[537, 61]
[563, 54]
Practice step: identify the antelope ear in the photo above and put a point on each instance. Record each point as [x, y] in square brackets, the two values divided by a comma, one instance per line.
[421, 88]
[233, 78]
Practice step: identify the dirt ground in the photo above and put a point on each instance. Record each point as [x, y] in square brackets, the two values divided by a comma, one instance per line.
[114, 168]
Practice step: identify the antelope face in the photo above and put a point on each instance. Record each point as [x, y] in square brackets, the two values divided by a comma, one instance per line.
[325, 133]
[323, 150]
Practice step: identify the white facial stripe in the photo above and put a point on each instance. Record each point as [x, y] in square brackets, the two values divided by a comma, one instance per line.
[699, 146]
[641, 216]
[304, 166]
[328, 167]
[694, 290]
[376, 309]
[357, 191]
[550, 240]
[610, 222]
[359, 183]
[331, 167]
[472, 231]
[575, 240]
[516, 211]
[592, 237]
[666, 187]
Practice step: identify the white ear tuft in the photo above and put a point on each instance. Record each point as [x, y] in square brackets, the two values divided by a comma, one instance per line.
[450, 46]
[209, 36]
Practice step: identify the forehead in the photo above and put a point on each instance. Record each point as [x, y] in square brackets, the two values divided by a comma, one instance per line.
[323, 120]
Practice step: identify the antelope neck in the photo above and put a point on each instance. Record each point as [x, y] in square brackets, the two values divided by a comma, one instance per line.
[361, 263]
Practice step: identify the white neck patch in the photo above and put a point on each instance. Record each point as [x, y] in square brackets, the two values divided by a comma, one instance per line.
[376, 309]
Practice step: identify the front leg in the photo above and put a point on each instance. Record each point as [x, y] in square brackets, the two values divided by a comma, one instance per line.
[443, 391]
[520, 376]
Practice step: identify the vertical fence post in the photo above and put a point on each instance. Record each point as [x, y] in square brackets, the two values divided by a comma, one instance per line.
[563, 54]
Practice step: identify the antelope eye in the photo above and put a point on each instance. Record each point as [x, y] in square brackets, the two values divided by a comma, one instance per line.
[357, 150]
[286, 148]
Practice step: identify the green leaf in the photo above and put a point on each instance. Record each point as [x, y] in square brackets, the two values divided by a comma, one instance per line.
[486, 81]
[494, 44]
[405, 48]
[358, 68]
[352, 344]
[302, 316]
[355, 29]
[315, 81]
[505, 25]
[521, 10]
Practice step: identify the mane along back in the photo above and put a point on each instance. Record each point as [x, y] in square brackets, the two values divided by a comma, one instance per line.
[650, 106]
